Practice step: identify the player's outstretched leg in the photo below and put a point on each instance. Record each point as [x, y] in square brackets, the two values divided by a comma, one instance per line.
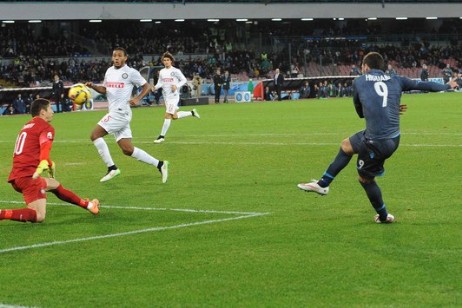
[322, 186]
[69, 196]
[183, 114]
[313, 186]
[93, 206]
[112, 172]
[195, 113]
[163, 169]
[22, 215]
[162, 166]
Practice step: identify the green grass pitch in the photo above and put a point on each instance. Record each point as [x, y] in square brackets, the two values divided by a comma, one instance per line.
[230, 228]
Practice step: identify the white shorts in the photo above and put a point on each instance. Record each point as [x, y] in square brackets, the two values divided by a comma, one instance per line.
[171, 107]
[117, 124]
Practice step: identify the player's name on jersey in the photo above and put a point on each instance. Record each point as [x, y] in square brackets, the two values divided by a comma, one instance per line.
[377, 77]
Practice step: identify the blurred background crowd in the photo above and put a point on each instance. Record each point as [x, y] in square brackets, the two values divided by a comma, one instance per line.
[31, 54]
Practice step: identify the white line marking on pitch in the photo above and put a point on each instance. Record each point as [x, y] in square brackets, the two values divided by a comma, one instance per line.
[296, 144]
[269, 143]
[242, 215]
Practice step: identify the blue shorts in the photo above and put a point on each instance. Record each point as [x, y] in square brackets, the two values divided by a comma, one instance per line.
[372, 153]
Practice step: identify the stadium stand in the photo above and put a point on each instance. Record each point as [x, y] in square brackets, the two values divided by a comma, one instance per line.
[31, 54]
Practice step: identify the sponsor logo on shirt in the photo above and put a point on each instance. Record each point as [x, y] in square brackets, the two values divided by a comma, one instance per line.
[167, 79]
[117, 85]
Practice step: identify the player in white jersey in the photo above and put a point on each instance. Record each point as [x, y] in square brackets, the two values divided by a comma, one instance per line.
[171, 80]
[118, 85]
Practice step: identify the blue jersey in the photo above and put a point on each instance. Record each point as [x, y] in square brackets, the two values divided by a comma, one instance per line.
[377, 99]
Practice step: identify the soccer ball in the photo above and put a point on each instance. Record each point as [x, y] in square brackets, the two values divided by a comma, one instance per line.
[79, 94]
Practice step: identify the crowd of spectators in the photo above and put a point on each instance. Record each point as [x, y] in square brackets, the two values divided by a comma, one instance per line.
[35, 56]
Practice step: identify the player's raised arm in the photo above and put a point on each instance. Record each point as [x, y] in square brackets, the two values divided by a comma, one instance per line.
[97, 88]
[409, 84]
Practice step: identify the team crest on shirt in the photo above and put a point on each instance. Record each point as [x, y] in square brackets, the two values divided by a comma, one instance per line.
[124, 75]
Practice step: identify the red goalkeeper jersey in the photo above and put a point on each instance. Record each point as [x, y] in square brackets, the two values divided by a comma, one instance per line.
[26, 156]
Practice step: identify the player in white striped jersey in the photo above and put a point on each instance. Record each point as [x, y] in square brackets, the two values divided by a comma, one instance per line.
[119, 82]
[171, 80]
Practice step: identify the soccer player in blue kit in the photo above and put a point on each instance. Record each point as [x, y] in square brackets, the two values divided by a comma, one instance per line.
[377, 100]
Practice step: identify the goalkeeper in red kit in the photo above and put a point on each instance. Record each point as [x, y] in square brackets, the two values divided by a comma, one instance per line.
[32, 157]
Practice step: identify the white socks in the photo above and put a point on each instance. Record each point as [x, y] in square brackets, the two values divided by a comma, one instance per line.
[144, 157]
[167, 122]
[182, 114]
[139, 154]
[165, 127]
[103, 151]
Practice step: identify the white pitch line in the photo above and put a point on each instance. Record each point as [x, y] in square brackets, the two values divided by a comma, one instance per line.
[432, 145]
[185, 210]
[296, 144]
[154, 229]
[204, 141]
[151, 208]
[243, 215]
[249, 143]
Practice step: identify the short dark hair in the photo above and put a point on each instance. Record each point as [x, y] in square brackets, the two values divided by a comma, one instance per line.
[168, 55]
[121, 49]
[374, 60]
[37, 105]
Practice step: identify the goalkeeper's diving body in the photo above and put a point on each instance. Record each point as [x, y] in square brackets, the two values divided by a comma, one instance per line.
[32, 157]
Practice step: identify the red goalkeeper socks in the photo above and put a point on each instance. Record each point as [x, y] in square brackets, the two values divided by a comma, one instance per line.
[68, 196]
[22, 215]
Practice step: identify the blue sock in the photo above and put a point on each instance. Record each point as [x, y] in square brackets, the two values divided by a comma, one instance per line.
[375, 197]
[340, 162]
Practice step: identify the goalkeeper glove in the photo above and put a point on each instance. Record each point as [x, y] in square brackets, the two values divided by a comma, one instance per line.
[44, 165]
